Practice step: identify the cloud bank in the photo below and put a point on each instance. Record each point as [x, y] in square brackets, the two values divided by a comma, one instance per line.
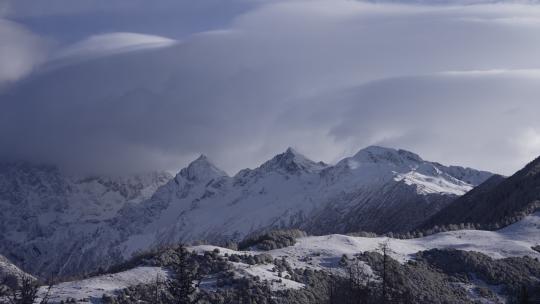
[456, 83]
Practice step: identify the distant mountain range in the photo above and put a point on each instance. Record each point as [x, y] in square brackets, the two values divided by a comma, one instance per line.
[54, 223]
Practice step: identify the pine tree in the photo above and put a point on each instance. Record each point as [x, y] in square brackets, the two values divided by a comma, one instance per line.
[183, 283]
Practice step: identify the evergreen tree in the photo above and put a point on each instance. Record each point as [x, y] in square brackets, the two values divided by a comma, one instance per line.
[184, 280]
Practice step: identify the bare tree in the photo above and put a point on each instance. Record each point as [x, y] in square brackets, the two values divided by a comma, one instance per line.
[385, 250]
[157, 290]
[26, 292]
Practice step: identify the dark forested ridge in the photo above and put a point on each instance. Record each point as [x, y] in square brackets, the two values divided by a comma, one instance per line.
[495, 202]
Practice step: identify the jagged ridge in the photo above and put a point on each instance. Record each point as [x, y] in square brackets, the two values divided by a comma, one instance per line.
[378, 189]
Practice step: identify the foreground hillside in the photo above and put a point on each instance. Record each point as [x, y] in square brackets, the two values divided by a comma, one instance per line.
[464, 265]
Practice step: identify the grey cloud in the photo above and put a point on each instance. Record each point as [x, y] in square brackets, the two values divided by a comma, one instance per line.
[327, 77]
[20, 51]
[484, 120]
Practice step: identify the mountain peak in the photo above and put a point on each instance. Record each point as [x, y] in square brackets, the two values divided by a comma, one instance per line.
[292, 161]
[290, 150]
[378, 154]
[202, 169]
[532, 168]
[202, 158]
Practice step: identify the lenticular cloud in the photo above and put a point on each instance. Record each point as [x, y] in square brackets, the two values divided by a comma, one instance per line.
[113, 43]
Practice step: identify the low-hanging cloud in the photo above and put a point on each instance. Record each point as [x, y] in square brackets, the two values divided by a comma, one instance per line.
[455, 83]
[20, 51]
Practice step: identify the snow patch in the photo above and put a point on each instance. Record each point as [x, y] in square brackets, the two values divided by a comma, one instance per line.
[92, 289]
[265, 272]
[426, 184]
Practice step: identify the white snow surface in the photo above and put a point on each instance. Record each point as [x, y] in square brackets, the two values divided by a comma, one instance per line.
[426, 184]
[324, 252]
[92, 289]
[266, 273]
[9, 271]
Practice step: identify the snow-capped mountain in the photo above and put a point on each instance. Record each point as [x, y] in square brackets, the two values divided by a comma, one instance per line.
[378, 189]
[388, 190]
[46, 213]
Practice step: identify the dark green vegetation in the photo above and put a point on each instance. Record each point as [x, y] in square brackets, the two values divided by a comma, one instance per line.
[271, 240]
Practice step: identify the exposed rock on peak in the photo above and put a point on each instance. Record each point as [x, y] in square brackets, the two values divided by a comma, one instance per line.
[201, 170]
[293, 162]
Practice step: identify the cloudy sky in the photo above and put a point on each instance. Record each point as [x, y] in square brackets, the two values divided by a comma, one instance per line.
[101, 85]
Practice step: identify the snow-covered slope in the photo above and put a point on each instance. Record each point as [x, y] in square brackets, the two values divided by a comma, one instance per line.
[378, 189]
[46, 214]
[322, 253]
[92, 289]
[9, 273]
[365, 192]
[515, 240]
